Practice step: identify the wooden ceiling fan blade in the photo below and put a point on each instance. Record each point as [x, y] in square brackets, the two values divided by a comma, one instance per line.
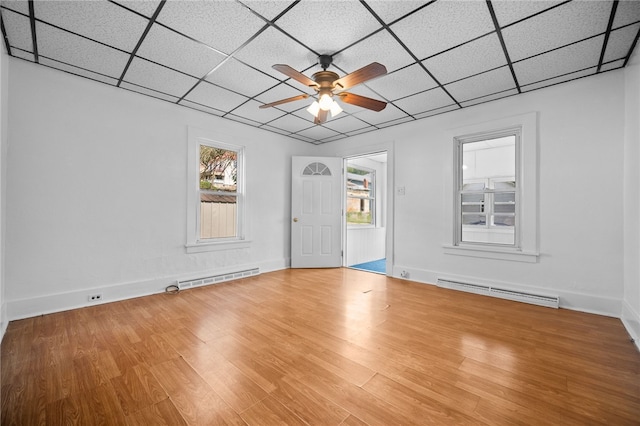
[322, 117]
[299, 77]
[284, 101]
[362, 101]
[366, 73]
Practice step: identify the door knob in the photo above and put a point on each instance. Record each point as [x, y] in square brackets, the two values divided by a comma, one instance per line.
[295, 219]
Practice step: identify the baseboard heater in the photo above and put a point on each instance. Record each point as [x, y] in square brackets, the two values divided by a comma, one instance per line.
[489, 290]
[215, 279]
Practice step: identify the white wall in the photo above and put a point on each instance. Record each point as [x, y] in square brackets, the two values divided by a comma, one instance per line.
[631, 303]
[96, 196]
[4, 93]
[581, 145]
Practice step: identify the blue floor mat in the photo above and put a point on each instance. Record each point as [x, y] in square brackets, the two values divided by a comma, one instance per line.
[379, 266]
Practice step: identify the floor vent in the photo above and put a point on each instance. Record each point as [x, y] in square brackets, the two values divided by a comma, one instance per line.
[488, 290]
[215, 279]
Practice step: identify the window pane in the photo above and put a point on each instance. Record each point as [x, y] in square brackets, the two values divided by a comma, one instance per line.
[474, 219]
[500, 220]
[360, 196]
[218, 215]
[218, 169]
[472, 198]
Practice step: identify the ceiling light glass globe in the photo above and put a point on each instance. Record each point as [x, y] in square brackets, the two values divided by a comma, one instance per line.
[325, 102]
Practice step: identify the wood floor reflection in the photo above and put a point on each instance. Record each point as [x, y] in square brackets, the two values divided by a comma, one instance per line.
[320, 347]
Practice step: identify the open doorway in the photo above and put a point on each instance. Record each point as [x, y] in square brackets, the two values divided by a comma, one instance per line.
[365, 213]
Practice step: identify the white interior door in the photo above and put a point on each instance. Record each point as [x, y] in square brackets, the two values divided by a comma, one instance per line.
[316, 212]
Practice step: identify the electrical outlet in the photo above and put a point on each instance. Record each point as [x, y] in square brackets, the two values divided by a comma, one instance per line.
[95, 298]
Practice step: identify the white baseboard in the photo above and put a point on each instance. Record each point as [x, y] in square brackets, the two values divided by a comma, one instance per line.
[631, 320]
[599, 305]
[4, 321]
[50, 303]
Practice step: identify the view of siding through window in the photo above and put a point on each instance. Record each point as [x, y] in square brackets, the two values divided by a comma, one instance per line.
[488, 193]
[218, 192]
[360, 196]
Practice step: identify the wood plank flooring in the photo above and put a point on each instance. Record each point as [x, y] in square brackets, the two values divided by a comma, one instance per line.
[319, 347]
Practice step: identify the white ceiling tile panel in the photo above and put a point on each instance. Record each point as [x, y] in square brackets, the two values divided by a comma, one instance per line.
[568, 23]
[145, 7]
[568, 59]
[261, 54]
[238, 77]
[176, 51]
[274, 130]
[437, 111]
[425, 101]
[509, 11]
[80, 52]
[620, 42]
[202, 108]
[328, 26]
[149, 92]
[472, 58]
[224, 25]
[24, 55]
[156, 77]
[482, 84]
[17, 5]
[560, 79]
[18, 30]
[389, 11]
[403, 82]
[369, 50]
[282, 91]
[252, 111]
[361, 131]
[242, 120]
[291, 123]
[78, 71]
[267, 9]
[395, 122]
[443, 25]
[99, 20]
[493, 97]
[391, 112]
[317, 132]
[345, 124]
[628, 11]
[612, 65]
[215, 97]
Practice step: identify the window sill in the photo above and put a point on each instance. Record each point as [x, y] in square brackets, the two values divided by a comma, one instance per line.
[216, 246]
[492, 253]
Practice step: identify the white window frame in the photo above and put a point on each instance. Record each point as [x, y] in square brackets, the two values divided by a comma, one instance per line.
[196, 138]
[525, 248]
[372, 199]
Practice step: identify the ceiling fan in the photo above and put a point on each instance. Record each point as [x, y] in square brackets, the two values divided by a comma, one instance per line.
[326, 82]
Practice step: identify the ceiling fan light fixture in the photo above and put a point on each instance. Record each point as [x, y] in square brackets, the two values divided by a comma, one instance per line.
[314, 108]
[335, 109]
[325, 102]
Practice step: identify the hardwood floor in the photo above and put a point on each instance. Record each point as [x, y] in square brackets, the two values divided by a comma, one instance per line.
[320, 347]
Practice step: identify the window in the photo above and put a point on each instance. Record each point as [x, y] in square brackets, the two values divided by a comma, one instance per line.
[494, 199]
[360, 196]
[215, 194]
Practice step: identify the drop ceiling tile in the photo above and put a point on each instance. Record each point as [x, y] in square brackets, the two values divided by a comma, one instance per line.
[482, 84]
[102, 21]
[145, 7]
[492, 97]
[78, 71]
[275, 130]
[18, 30]
[202, 108]
[425, 101]
[620, 41]
[380, 47]
[239, 78]
[559, 79]
[215, 97]
[260, 53]
[361, 131]
[156, 77]
[443, 25]
[80, 52]
[149, 92]
[328, 26]
[472, 58]
[17, 5]
[628, 11]
[561, 61]
[612, 65]
[23, 55]
[252, 111]
[333, 139]
[178, 52]
[403, 82]
[437, 111]
[317, 133]
[345, 124]
[282, 91]
[291, 123]
[242, 120]
[389, 11]
[390, 113]
[565, 24]
[223, 25]
[395, 122]
[509, 11]
[267, 9]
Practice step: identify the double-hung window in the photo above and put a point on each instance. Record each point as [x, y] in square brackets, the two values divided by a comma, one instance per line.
[361, 185]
